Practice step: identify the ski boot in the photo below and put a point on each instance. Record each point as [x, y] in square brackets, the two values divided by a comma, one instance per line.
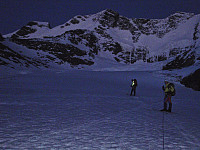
[170, 107]
[165, 107]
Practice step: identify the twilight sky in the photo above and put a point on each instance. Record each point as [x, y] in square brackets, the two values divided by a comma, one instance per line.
[16, 13]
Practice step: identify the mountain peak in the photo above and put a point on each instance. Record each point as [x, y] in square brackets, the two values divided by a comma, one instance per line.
[183, 15]
[39, 24]
[108, 12]
[30, 28]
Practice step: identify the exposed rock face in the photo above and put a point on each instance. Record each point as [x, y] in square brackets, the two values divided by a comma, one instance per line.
[8, 54]
[192, 81]
[64, 52]
[1, 38]
[85, 37]
[181, 61]
[30, 28]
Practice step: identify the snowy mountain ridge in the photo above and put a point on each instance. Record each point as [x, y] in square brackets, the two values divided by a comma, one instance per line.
[87, 41]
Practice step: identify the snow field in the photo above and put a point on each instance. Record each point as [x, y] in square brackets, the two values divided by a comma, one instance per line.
[93, 110]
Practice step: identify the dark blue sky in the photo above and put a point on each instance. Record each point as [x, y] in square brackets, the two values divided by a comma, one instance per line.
[17, 13]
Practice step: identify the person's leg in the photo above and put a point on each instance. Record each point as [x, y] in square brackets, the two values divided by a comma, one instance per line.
[131, 91]
[134, 91]
[170, 103]
[165, 103]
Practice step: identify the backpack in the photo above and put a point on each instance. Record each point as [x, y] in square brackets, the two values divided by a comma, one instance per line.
[172, 86]
[135, 82]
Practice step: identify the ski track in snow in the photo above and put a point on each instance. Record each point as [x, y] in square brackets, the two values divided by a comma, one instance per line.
[93, 110]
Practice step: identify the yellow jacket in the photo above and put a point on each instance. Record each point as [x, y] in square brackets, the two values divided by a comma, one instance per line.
[168, 89]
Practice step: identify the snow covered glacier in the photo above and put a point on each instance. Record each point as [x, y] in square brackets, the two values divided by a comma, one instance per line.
[93, 110]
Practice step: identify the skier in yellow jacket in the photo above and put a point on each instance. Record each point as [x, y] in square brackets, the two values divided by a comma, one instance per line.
[168, 89]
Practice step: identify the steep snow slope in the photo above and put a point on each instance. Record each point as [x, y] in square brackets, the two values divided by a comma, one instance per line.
[182, 37]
